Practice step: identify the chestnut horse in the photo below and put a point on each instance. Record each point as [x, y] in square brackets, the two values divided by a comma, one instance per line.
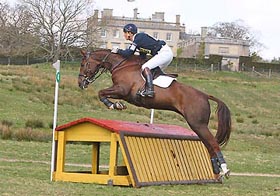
[185, 100]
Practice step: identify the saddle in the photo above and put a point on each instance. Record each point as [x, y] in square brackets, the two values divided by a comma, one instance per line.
[160, 79]
[156, 72]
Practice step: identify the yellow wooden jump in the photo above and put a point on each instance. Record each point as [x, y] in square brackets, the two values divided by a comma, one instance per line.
[153, 154]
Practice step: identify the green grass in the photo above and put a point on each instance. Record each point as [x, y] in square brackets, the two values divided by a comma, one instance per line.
[30, 175]
[27, 94]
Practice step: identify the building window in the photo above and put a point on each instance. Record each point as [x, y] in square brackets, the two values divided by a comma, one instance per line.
[169, 37]
[116, 33]
[223, 50]
[155, 35]
[103, 33]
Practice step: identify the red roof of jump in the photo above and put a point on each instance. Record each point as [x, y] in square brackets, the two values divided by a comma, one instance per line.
[117, 126]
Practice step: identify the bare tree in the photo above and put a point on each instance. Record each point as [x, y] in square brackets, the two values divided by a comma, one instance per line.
[236, 30]
[5, 41]
[60, 24]
[14, 28]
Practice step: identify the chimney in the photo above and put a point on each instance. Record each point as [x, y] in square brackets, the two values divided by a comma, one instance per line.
[95, 15]
[107, 12]
[203, 32]
[135, 11]
[158, 16]
[178, 20]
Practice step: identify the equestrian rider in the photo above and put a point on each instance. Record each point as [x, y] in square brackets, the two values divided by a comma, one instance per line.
[162, 54]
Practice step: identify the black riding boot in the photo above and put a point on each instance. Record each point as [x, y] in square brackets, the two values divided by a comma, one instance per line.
[149, 87]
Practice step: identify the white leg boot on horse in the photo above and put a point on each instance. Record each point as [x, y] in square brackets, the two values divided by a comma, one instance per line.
[224, 170]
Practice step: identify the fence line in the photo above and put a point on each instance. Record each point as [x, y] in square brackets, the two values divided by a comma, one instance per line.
[259, 72]
[267, 73]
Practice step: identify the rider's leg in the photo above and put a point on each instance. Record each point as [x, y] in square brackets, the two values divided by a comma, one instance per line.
[162, 60]
[149, 87]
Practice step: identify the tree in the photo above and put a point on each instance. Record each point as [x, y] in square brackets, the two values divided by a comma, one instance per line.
[14, 27]
[236, 30]
[5, 41]
[255, 57]
[60, 24]
[275, 60]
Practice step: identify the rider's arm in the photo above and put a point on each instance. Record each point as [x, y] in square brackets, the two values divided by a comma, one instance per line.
[129, 51]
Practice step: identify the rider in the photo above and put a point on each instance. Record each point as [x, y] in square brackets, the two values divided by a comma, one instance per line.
[162, 54]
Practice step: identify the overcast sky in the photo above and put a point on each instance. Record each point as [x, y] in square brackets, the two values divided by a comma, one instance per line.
[262, 16]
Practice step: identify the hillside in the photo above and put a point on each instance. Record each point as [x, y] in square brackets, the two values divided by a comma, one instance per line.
[27, 95]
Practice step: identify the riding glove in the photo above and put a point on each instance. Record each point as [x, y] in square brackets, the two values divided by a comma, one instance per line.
[115, 50]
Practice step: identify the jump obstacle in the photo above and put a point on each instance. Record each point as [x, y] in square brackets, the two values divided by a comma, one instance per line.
[153, 154]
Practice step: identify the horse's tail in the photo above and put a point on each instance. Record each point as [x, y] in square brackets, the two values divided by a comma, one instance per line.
[224, 122]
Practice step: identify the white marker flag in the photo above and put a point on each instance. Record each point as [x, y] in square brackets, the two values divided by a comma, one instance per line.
[56, 65]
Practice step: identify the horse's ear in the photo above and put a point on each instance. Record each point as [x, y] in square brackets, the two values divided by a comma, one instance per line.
[83, 52]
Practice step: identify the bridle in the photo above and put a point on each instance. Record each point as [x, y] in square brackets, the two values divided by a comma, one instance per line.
[89, 76]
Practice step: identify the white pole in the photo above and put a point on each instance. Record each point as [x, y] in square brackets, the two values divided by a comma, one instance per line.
[152, 116]
[56, 65]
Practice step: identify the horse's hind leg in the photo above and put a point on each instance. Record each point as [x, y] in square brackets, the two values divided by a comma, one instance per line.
[198, 122]
[210, 143]
[222, 163]
[218, 162]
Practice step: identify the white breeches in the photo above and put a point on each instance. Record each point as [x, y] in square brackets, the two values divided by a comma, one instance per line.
[162, 59]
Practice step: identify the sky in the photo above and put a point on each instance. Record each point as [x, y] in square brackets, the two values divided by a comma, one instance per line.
[261, 16]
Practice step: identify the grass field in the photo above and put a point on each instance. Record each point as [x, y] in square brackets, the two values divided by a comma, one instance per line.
[27, 96]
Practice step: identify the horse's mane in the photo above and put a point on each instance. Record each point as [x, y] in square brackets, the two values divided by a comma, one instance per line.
[131, 58]
[109, 50]
[102, 49]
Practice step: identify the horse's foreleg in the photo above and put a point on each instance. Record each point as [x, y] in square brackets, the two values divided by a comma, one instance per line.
[107, 102]
[112, 92]
[113, 105]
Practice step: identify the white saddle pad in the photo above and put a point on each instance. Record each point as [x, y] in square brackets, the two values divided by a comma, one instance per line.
[163, 81]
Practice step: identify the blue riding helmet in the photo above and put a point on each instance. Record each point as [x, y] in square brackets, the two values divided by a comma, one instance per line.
[130, 28]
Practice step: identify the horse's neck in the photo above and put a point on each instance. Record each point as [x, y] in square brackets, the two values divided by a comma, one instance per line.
[122, 63]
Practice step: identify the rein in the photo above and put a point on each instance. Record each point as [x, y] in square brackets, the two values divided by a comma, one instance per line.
[100, 68]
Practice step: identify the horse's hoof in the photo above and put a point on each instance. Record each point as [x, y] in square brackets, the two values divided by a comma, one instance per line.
[225, 174]
[119, 106]
[224, 170]
[221, 178]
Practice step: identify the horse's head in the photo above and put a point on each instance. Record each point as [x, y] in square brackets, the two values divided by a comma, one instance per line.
[92, 66]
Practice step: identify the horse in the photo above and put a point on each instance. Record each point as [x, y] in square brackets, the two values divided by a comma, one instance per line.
[183, 99]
